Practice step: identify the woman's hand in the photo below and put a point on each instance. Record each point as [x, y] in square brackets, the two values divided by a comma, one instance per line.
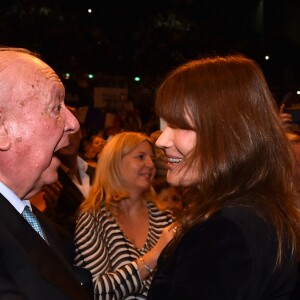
[150, 258]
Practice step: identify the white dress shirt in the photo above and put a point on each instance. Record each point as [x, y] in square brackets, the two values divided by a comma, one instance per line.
[84, 186]
[14, 200]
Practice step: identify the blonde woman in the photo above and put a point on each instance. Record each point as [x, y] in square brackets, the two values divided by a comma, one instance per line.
[120, 233]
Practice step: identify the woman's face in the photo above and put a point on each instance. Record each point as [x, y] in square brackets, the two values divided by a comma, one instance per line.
[178, 143]
[138, 168]
[98, 144]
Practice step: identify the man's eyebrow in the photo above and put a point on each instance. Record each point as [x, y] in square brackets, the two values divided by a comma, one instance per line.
[58, 93]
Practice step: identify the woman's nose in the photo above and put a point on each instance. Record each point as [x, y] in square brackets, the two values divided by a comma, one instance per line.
[165, 139]
[149, 162]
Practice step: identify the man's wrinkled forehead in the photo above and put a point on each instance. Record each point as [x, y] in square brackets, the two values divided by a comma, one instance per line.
[34, 76]
[25, 64]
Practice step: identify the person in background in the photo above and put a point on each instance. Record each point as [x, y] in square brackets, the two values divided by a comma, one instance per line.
[120, 232]
[167, 196]
[294, 140]
[93, 149]
[60, 200]
[287, 121]
[75, 176]
[293, 137]
[35, 256]
[239, 238]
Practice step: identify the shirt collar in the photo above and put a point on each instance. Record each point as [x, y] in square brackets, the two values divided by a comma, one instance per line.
[13, 199]
[83, 165]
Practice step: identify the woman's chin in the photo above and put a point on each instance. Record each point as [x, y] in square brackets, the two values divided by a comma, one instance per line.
[172, 179]
[179, 179]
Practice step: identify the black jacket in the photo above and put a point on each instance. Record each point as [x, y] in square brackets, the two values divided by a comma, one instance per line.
[64, 212]
[231, 256]
[29, 267]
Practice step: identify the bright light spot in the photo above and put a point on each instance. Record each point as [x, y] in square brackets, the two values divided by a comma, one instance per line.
[91, 76]
[137, 78]
[89, 11]
[67, 75]
[267, 57]
[298, 92]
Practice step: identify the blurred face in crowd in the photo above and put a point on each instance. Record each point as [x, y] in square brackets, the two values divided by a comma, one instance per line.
[169, 199]
[37, 125]
[138, 168]
[98, 144]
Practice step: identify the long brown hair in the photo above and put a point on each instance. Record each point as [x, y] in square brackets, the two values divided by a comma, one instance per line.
[241, 152]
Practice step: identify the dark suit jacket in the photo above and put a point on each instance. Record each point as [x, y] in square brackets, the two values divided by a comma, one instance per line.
[29, 267]
[64, 212]
[230, 256]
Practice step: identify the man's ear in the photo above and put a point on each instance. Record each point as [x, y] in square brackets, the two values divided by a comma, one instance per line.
[4, 136]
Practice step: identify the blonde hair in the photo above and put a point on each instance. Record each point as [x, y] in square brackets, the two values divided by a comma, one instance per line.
[109, 185]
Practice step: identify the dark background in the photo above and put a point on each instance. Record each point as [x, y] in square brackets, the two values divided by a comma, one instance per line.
[123, 39]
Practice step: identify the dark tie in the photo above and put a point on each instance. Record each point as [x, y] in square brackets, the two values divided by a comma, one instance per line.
[29, 216]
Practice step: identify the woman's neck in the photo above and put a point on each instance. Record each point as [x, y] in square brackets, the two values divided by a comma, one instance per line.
[131, 206]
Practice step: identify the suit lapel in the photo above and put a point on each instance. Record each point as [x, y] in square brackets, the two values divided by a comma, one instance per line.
[91, 172]
[51, 266]
[70, 188]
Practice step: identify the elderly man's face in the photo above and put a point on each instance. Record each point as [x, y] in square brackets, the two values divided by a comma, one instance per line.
[38, 125]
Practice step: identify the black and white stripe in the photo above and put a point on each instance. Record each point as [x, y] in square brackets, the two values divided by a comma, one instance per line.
[102, 248]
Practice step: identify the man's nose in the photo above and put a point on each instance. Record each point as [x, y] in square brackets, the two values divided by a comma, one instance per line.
[71, 123]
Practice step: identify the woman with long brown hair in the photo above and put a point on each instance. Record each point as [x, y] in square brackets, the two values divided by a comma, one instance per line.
[239, 237]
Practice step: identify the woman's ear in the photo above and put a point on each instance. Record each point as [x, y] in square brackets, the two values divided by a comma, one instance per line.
[4, 136]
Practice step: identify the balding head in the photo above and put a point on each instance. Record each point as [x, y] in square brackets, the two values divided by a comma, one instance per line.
[34, 122]
[21, 73]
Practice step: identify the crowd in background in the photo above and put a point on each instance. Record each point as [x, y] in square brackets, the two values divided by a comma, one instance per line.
[91, 145]
[97, 218]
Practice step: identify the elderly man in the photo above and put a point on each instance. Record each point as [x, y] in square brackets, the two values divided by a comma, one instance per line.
[35, 257]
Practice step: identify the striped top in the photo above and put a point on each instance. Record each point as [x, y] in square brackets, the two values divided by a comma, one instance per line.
[102, 248]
